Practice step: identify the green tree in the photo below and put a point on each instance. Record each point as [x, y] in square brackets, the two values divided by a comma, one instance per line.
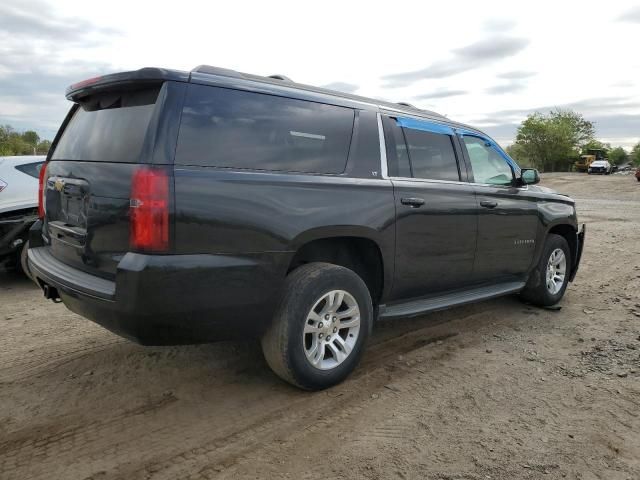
[31, 138]
[596, 145]
[43, 147]
[618, 156]
[519, 154]
[16, 143]
[551, 142]
[635, 155]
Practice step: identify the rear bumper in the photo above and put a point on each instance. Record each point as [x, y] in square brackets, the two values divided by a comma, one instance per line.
[580, 236]
[170, 299]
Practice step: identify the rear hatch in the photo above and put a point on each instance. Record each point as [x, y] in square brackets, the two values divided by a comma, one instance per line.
[107, 136]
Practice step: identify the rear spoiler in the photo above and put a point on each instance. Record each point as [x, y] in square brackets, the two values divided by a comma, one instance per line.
[144, 76]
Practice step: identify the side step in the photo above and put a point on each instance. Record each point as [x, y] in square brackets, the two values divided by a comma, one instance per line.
[413, 308]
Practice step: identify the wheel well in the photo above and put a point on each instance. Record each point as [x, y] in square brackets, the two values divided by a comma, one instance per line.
[361, 255]
[569, 233]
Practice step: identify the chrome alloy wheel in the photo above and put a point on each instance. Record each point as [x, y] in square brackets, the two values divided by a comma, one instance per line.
[331, 329]
[556, 271]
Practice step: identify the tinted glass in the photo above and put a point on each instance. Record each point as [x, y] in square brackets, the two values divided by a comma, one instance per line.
[31, 169]
[108, 128]
[397, 156]
[231, 128]
[366, 151]
[487, 164]
[432, 155]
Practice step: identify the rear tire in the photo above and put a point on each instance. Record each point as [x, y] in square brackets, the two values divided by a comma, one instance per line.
[320, 328]
[548, 281]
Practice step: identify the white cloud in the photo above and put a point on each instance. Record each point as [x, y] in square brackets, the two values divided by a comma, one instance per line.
[505, 55]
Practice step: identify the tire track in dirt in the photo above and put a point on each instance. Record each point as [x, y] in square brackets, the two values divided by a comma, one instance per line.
[51, 360]
[303, 417]
[84, 438]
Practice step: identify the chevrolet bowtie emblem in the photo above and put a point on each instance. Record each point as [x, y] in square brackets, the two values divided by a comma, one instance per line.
[58, 185]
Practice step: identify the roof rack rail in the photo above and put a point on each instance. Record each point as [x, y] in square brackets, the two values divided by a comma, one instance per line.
[430, 112]
[284, 78]
[216, 71]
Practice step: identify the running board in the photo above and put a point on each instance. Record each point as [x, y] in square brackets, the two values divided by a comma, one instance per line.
[447, 300]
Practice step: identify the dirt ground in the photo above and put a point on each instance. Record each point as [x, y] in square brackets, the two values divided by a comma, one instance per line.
[497, 390]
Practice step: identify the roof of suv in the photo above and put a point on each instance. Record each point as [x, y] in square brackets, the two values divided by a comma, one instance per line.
[154, 75]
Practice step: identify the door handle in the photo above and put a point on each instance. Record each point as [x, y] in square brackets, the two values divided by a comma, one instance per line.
[488, 204]
[412, 201]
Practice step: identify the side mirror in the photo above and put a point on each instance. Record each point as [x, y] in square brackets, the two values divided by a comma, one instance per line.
[529, 176]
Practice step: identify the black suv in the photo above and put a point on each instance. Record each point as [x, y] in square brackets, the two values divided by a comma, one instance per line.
[192, 206]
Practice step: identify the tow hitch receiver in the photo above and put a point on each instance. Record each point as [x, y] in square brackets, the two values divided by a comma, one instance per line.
[51, 293]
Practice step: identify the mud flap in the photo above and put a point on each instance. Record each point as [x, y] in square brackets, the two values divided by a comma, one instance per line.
[580, 245]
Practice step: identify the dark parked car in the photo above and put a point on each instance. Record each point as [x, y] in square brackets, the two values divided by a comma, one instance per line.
[193, 206]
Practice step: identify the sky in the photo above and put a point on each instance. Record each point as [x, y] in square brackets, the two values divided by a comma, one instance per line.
[488, 64]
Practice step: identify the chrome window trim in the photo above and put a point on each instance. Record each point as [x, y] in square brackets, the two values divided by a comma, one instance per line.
[385, 175]
[383, 149]
[453, 182]
[430, 180]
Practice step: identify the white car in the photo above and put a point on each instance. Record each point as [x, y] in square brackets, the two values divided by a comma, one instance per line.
[18, 205]
[600, 166]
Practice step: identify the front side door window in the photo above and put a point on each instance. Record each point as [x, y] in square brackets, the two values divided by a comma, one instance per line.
[488, 166]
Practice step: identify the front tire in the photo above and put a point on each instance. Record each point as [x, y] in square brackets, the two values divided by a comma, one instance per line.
[548, 281]
[320, 327]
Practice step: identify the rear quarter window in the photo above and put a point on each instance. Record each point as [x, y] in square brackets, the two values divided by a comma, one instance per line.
[244, 130]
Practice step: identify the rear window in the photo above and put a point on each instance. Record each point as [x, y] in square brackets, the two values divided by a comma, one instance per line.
[31, 169]
[109, 127]
[244, 130]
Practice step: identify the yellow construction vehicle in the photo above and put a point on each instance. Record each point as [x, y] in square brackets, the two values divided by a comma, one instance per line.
[593, 154]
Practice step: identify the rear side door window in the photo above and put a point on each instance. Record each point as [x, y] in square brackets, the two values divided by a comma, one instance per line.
[487, 165]
[417, 149]
[432, 155]
[397, 154]
[228, 128]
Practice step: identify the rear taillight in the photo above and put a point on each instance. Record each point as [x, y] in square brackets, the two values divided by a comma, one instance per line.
[41, 179]
[149, 207]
